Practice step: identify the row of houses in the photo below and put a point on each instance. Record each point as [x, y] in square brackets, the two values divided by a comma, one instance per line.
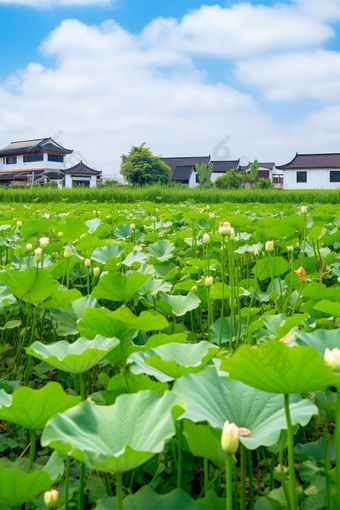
[44, 160]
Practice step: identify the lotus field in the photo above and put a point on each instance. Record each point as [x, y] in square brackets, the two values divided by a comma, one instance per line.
[169, 356]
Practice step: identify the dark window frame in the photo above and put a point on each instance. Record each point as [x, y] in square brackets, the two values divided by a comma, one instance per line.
[56, 158]
[32, 158]
[8, 162]
[334, 176]
[301, 177]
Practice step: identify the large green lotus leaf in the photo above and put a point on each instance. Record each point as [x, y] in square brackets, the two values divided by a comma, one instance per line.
[93, 224]
[33, 408]
[73, 228]
[136, 383]
[161, 250]
[104, 254]
[316, 449]
[155, 341]
[215, 399]
[172, 360]
[6, 297]
[17, 487]
[35, 228]
[147, 498]
[61, 298]
[154, 286]
[115, 438]
[123, 231]
[67, 318]
[226, 326]
[204, 441]
[119, 287]
[31, 286]
[279, 265]
[135, 257]
[326, 401]
[177, 305]
[319, 339]
[328, 307]
[212, 502]
[74, 358]
[277, 368]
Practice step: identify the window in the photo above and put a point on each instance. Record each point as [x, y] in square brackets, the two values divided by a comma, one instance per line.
[334, 176]
[301, 176]
[197, 179]
[11, 161]
[55, 157]
[33, 157]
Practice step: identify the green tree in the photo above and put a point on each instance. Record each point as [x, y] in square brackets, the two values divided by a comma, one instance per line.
[141, 167]
[263, 184]
[254, 170]
[232, 180]
[204, 174]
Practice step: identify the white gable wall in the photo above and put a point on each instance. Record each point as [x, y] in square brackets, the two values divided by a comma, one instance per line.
[316, 179]
[34, 165]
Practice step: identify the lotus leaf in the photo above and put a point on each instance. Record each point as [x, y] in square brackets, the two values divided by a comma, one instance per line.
[74, 358]
[161, 250]
[115, 438]
[104, 254]
[33, 408]
[17, 487]
[176, 306]
[123, 231]
[67, 318]
[31, 286]
[119, 287]
[73, 228]
[277, 368]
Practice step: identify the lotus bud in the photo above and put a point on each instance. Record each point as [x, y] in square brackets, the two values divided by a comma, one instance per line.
[230, 438]
[224, 228]
[232, 234]
[87, 262]
[96, 271]
[208, 207]
[202, 211]
[269, 245]
[194, 289]
[312, 490]
[290, 248]
[37, 253]
[211, 215]
[278, 468]
[332, 358]
[44, 242]
[60, 234]
[256, 252]
[303, 209]
[154, 218]
[133, 226]
[206, 238]
[339, 279]
[156, 209]
[51, 498]
[143, 246]
[19, 223]
[209, 281]
[28, 246]
[67, 252]
[301, 274]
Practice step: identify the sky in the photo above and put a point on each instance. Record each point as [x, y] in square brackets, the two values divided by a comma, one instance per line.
[233, 79]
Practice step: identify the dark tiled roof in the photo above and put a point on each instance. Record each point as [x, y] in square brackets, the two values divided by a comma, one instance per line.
[225, 166]
[173, 163]
[37, 145]
[313, 161]
[270, 166]
[54, 174]
[81, 169]
[183, 173]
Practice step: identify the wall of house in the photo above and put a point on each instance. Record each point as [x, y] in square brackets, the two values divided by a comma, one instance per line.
[20, 165]
[69, 178]
[68, 181]
[316, 179]
[193, 183]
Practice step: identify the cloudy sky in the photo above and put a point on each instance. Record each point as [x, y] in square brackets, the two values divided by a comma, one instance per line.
[244, 79]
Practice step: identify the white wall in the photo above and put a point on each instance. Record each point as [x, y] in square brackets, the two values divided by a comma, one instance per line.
[68, 181]
[20, 165]
[316, 179]
[193, 183]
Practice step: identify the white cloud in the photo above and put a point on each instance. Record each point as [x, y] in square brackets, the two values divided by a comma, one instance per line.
[291, 76]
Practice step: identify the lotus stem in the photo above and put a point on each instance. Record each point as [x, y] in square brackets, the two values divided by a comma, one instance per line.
[67, 480]
[232, 299]
[180, 457]
[272, 279]
[283, 476]
[119, 491]
[291, 283]
[325, 460]
[88, 282]
[209, 312]
[337, 442]
[296, 302]
[82, 386]
[108, 485]
[290, 454]
[33, 438]
[82, 486]
[250, 476]
[67, 275]
[272, 462]
[206, 475]
[222, 306]
[304, 237]
[229, 482]
[243, 476]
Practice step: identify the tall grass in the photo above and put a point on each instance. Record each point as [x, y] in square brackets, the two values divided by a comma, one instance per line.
[170, 195]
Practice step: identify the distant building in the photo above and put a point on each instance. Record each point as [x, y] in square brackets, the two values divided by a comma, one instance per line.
[40, 161]
[311, 171]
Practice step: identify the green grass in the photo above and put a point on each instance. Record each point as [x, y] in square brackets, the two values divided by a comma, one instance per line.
[169, 195]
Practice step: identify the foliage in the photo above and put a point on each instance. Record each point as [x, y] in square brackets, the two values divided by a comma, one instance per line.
[231, 180]
[141, 167]
[254, 170]
[263, 184]
[204, 174]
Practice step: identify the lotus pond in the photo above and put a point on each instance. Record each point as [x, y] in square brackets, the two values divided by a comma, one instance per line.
[169, 356]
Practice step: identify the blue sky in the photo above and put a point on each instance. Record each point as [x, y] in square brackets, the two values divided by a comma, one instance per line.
[179, 75]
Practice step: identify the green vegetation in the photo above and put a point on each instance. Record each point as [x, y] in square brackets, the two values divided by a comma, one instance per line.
[232, 180]
[141, 167]
[204, 174]
[169, 356]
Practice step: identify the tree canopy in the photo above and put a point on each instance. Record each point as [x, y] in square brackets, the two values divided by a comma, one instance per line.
[140, 166]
